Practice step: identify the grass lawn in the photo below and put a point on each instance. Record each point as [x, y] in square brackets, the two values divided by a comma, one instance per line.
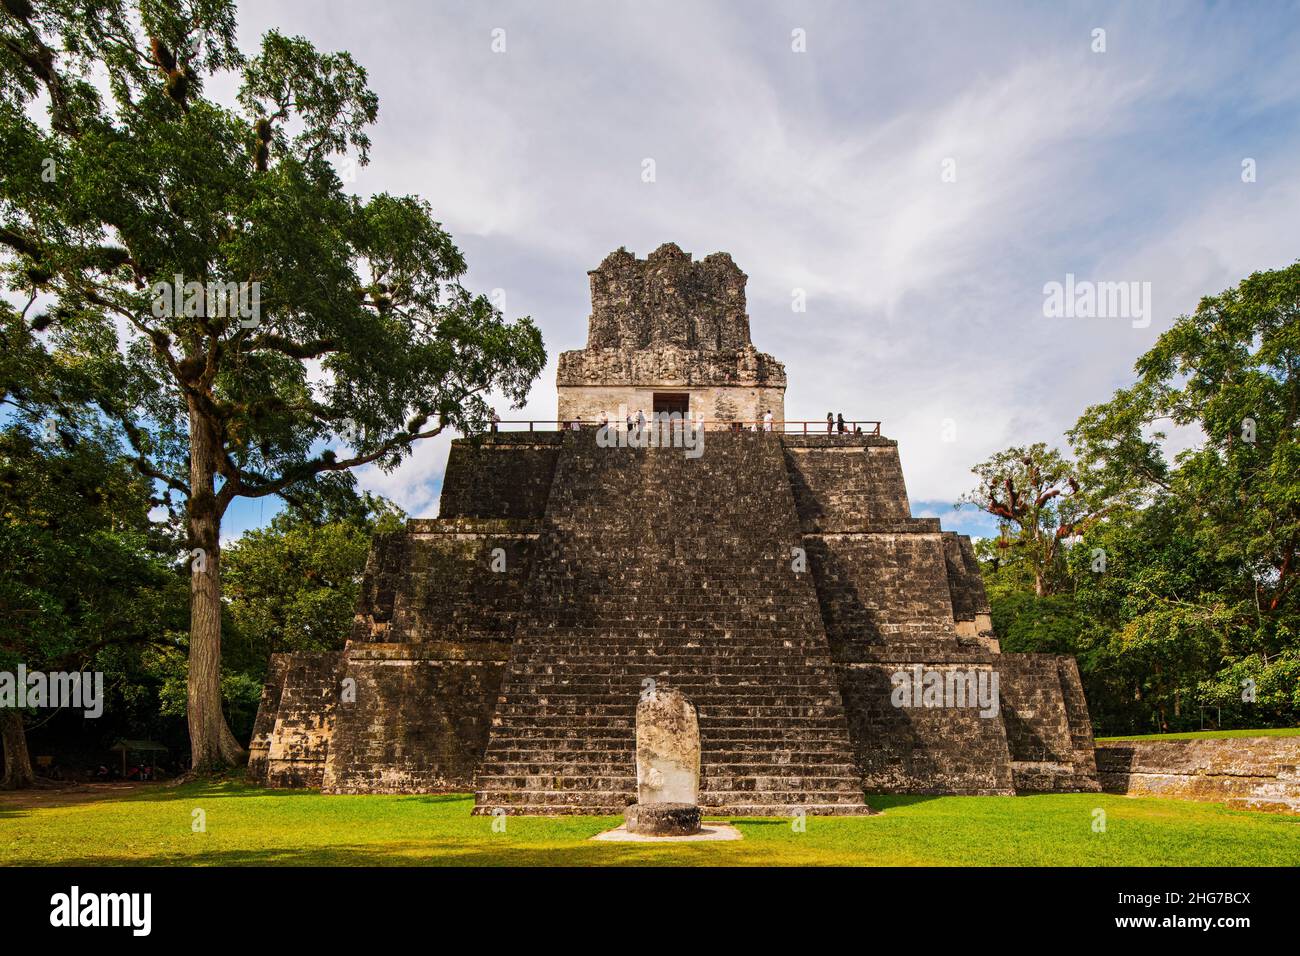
[247, 825]
[1211, 734]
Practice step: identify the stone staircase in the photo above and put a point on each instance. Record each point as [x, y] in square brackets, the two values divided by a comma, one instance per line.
[657, 570]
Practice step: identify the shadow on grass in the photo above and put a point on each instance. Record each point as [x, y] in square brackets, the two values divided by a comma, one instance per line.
[429, 855]
[887, 801]
[24, 804]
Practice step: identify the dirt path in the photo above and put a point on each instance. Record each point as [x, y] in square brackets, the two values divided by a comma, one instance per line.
[73, 793]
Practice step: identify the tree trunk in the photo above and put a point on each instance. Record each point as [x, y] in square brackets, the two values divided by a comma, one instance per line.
[212, 746]
[18, 765]
[1160, 701]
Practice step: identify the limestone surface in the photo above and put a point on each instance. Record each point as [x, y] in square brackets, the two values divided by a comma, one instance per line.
[667, 749]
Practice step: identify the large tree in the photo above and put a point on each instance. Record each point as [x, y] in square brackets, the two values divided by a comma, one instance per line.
[1228, 375]
[200, 268]
[1043, 501]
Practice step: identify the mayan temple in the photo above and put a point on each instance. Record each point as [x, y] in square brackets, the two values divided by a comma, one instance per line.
[776, 578]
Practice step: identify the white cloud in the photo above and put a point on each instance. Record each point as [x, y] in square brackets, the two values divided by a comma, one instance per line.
[822, 171]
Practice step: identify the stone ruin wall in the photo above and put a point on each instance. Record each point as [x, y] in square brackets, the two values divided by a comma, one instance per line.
[429, 648]
[896, 591]
[1245, 773]
[668, 299]
[667, 323]
[435, 628]
[728, 403]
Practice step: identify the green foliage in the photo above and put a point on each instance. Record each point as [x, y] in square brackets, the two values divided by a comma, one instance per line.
[1029, 624]
[1183, 591]
[294, 585]
[1042, 500]
[1229, 372]
[88, 581]
[84, 566]
[196, 271]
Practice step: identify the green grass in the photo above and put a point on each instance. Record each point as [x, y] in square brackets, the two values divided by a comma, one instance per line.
[1210, 734]
[252, 826]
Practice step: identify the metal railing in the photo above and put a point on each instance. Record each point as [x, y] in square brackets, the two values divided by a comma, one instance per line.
[786, 427]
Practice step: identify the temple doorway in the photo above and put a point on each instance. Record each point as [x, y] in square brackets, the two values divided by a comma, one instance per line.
[669, 402]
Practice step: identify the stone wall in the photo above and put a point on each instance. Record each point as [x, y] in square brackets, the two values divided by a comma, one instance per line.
[738, 403]
[644, 564]
[896, 592]
[667, 299]
[437, 614]
[1248, 773]
[1049, 732]
[849, 483]
[297, 748]
[918, 749]
[656, 567]
[882, 593]
[669, 324]
[464, 580]
[427, 678]
[264, 723]
[420, 720]
[507, 477]
[970, 603]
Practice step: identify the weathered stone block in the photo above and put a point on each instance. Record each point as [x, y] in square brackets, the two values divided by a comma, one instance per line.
[663, 819]
[1256, 773]
[667, 749]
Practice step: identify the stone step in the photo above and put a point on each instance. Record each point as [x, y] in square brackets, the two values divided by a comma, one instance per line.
[539, 718]
[736, 783]
[625, 737]
[634, 657]
[719, 713]
[648, 571]
[740, 803]
[715, 749]
[712, 811]
[536, 765]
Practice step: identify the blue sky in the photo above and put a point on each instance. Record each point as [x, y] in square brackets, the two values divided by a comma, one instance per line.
[822, 171]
